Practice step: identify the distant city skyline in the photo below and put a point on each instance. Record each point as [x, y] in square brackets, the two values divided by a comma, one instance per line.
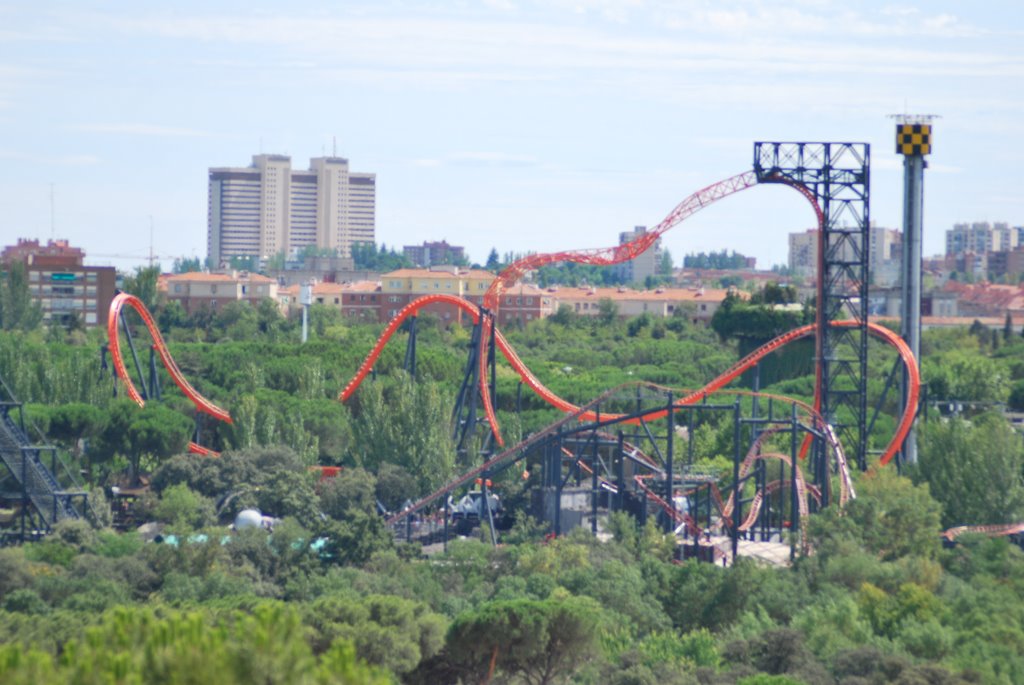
[517, 125]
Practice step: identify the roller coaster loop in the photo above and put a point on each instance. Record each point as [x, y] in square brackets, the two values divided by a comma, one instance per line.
[113, 317]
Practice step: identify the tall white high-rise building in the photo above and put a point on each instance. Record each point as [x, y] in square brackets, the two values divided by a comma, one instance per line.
[979, 238]
[645, 264]
[270, 208]
[886, 245]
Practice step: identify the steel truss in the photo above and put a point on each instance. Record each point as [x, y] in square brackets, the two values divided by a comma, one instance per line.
[466, 417]
[646, 468]
[837, 175]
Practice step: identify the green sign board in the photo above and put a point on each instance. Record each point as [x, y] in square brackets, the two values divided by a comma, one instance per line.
[63, 277]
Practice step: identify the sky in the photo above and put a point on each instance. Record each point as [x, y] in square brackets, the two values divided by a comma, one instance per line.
[522, 125]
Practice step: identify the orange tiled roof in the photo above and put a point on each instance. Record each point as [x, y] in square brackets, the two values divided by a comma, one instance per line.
[198, 277]
[428, 273]
[659, 295]
[204, 277]
[360, 287]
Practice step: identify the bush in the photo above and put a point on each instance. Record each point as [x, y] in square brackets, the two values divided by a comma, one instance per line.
[181, 507]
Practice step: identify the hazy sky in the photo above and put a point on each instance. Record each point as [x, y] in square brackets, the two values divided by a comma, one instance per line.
[523, 125]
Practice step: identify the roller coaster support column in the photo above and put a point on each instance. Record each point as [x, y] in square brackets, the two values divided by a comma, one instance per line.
[913, 141]
[103, 367]
[737, 507]
[620, 475]
[410, 349]
[556, 467]
[594, 487]
[485, 490]
[670, 495]
[465, 417]
[446, 515]
[154, 379]
[835, 177]
[135, 356]
[794, 492]
[465, 404]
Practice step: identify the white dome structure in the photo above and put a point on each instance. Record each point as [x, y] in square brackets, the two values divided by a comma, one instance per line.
[248, 518]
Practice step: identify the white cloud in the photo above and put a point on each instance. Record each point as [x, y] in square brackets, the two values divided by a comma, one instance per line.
[482, 159]
[142, 130]
[59, 160]
[491, 159]
[459, 50]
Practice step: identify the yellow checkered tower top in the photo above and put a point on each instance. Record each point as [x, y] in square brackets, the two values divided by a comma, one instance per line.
[913, 139]
[913, 134]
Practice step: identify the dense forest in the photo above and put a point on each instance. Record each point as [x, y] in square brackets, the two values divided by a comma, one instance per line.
[330, 595]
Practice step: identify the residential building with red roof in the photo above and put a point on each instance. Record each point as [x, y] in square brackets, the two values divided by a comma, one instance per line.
[65, 288]
[197, 290]
[698, 304]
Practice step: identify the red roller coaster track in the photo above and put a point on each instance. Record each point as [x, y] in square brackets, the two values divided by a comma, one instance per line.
[510, 276]
[113, 316]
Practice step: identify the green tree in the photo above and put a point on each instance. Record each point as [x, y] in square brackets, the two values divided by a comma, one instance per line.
[17, 309]
[184, 265]
[541, 641]
[975, 469]
[142, 284]
[736, 318]
[348, 493]
[181, 507]
[407, 423]
[607, 311]
[564, 315]
[76, 424]
[134, 432]
[275, 262]
[966, 376]
[891, 518]
[665, 266]
[134, 645]
[173, 315]
[493, 262]
[387, 631]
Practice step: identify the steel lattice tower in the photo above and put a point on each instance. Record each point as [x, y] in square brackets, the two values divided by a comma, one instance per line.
[837, 176]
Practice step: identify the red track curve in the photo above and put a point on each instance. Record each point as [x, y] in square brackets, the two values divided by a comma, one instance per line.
[408, 310]
[695, 397]
[113, 334]
[614, 255]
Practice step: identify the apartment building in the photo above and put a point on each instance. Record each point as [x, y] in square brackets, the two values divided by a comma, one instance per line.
[198, 290]
[884, 253]
[399, 288]
[434, 253]
[525, 303]
[270, 208]
[697, 304]
[980, 238]
[66, 290]
[645, 264]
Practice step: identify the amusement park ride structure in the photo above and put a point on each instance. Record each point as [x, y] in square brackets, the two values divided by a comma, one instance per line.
[614, 441]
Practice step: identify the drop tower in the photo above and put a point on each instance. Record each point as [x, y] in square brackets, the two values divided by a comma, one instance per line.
[914, 142]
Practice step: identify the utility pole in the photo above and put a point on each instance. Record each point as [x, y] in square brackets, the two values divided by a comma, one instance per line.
[305, 299]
